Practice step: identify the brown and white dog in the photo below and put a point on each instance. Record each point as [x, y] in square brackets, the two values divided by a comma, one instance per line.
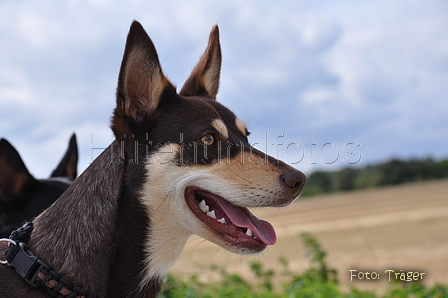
[181, 165]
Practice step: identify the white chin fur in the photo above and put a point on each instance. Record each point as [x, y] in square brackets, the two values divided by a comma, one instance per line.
[172, 221]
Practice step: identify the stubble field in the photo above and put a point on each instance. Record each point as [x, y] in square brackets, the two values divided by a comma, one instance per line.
[395, 228]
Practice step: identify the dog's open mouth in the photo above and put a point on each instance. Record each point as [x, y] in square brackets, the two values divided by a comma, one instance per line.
[237, 224]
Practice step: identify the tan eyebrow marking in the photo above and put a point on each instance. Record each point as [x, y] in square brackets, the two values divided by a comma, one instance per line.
[220, 127]
[241, 126]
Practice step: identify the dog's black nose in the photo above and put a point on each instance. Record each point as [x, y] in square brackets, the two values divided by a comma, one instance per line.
[293, 179]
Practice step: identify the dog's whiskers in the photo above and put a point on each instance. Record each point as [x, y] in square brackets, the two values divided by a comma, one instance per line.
[161, 203]
[196, 245]
[247, 123]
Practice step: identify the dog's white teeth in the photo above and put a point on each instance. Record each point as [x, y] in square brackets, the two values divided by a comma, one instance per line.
[251, 234]
[212, 214]
[204, 207]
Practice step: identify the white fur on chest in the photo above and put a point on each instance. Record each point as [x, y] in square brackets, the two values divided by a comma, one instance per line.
[166, 235]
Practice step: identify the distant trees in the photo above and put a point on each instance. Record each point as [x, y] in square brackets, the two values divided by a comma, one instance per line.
[394, 171]
[318, 182]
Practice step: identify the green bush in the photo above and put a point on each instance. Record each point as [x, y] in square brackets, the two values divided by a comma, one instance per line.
[318, 281]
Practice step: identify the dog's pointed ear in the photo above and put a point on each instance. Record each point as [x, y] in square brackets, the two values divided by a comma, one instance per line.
[141, 83]
[14, 175]
[68, 165]
[204, 78]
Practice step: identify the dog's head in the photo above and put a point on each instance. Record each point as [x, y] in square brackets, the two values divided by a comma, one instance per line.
[190, 156]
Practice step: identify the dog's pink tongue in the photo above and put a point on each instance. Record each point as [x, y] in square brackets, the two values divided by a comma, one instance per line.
[244, 219]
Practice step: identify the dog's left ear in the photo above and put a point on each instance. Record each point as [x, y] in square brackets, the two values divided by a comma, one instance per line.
[204, 78]
[68, 165]
[141, 82]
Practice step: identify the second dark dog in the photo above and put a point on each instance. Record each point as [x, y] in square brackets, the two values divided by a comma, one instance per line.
[23, 197]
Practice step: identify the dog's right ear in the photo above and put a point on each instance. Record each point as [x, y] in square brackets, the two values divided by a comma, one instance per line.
[141, 83]
[14, 175]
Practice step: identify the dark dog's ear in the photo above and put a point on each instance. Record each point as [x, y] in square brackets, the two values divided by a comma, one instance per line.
[141, 83]
[68, 165]
[204, 78]
[14, 175]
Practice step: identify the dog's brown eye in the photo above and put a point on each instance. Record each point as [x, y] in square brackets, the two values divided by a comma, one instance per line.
[208, 140]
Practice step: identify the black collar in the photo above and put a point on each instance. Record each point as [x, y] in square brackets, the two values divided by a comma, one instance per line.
[34, 270]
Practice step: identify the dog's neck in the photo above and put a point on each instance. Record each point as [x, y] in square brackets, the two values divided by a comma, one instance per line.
[95, 232]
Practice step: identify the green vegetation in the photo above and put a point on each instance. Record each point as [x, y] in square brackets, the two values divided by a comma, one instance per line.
[318, 281]
[393, 172]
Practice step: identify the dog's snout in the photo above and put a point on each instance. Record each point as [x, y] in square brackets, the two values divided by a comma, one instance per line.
[293, 179]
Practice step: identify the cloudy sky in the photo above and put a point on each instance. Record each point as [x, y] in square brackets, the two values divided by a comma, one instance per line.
[322, 84]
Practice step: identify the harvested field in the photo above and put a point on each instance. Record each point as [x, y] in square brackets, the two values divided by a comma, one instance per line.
[395, 228]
